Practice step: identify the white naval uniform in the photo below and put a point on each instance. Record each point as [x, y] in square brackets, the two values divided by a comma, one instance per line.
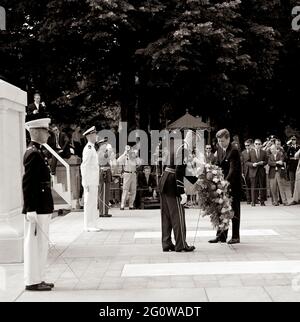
[90, 182]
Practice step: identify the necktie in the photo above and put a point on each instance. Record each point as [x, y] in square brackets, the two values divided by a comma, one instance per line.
[257, 154]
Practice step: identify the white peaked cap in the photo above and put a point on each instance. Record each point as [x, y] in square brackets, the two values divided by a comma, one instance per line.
[38, 124]
[90, 130]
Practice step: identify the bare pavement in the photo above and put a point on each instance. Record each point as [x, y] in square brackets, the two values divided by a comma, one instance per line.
[125, 263]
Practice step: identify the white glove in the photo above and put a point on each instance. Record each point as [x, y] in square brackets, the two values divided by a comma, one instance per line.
[183, 199]
[154, 194]
[31, 217]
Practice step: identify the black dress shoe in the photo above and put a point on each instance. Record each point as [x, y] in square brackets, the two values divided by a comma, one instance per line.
[233, 241]
[107, 215]
[186, 249]
[217, 240]
[253, 204]
[49, 284]
[38, 287]
[131, 208]
[262, 204]
[121, 208]
[170, 248]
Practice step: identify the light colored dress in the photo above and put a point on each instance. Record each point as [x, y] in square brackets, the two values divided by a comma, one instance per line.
[296, 195]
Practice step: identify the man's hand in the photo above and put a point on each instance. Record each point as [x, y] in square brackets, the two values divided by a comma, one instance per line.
[254, 165]
[86, 188]
[279, 162]
[154, 194]
[32, 217]
[183, 199]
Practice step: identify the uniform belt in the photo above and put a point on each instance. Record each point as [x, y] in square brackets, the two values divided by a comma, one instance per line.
[104, 168]
[129, 171]
[170, 170]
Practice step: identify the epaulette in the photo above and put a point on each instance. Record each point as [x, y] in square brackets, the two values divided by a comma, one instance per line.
[31, 148]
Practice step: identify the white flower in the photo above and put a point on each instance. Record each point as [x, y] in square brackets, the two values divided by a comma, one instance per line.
[224, 183]
[221, 201]
[219, 191]
[216, 180]
[215, 172]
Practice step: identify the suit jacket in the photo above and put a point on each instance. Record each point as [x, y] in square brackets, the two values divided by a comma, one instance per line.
[274, 167]
[63, 142]
[292, 161]
[142, 181]
[245, 166]
[41, 112]
[36, 184]
[231, 166]
[259, 170]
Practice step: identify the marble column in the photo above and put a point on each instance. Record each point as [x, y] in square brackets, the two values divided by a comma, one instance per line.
[12, 146]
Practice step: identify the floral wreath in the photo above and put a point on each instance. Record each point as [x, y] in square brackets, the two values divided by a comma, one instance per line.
[214, 198]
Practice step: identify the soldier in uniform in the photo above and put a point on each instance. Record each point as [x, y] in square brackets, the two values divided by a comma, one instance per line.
[172, 199]
[90, 180]
[129, 162]
[38, 206]
[105, 153]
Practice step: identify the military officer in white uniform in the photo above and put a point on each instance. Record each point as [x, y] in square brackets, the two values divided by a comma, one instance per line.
[37, 207]
[90, 180]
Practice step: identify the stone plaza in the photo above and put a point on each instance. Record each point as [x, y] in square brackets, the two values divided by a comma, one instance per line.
[125, 263]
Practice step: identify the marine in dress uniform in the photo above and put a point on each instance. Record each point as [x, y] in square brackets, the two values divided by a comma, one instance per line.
[38, 207]
[90, 181]
[172, 198]
[104, 156]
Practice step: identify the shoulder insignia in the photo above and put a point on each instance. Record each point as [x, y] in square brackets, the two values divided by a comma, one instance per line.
[89, 146]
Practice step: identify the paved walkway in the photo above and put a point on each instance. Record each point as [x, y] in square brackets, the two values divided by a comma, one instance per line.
[124, 262]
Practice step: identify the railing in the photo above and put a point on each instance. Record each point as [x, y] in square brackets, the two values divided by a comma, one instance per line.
[68, 197]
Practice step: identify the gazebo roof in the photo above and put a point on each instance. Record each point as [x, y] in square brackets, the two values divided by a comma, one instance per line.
[189, 121]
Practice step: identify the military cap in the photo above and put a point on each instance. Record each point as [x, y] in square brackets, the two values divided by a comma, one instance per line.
[38, 124]
[91, 130]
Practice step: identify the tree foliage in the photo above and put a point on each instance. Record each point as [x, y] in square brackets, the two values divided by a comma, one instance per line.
[146, 61]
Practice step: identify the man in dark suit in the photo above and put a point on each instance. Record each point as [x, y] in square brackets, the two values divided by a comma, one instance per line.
[172, 199]
[59, 142]
[36, 110]
[292, 162]
[277, 175]
[245, 168]
[37, 207]
[228, 158]
[256, 162]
